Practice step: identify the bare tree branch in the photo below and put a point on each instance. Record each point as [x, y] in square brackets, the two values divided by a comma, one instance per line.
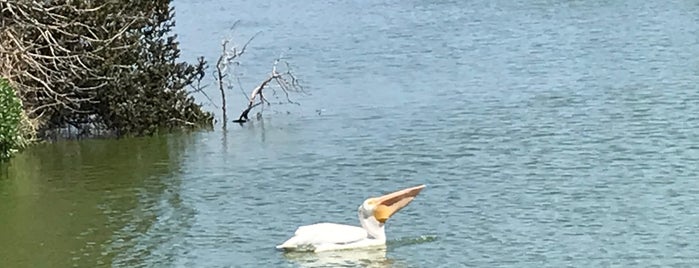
[281, 80]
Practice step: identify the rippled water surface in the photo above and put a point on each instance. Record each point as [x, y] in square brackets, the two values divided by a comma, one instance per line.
[548, 133]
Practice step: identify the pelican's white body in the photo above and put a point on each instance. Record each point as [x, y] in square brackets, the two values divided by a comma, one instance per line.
[329, 236]
[372, 214]
[332, 236]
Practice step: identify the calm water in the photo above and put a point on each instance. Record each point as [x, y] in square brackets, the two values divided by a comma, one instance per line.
[549, 133]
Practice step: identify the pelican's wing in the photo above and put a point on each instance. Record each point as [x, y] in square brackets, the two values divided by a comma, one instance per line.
[311, 237]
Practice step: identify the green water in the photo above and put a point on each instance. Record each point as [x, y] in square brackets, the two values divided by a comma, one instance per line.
[61, 204]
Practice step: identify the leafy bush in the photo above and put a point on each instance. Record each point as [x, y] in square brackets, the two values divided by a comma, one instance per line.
[110, 66]
[10, 120]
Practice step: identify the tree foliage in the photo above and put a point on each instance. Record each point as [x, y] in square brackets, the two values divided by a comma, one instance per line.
[10, 121]
[106, 65]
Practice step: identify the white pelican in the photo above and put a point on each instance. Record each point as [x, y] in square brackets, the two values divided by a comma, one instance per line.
[373, 214]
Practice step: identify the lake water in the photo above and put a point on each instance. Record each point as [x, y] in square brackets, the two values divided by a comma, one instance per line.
[548, 133]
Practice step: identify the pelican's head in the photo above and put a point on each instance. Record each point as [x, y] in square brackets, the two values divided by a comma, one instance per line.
[383, 207]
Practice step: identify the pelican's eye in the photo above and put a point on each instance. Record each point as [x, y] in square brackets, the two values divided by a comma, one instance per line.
[371, 202]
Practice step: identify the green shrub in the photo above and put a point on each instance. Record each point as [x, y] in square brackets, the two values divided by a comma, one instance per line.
[99, 66]
[10, 120]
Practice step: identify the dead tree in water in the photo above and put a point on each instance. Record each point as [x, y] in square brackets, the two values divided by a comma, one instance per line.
[286, 81]
[226, 64]
[227, 58]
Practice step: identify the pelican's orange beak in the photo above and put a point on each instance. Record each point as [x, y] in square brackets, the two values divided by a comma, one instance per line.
[389, 204]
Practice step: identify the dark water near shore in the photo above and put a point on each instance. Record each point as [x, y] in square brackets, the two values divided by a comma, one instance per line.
[549, 134]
